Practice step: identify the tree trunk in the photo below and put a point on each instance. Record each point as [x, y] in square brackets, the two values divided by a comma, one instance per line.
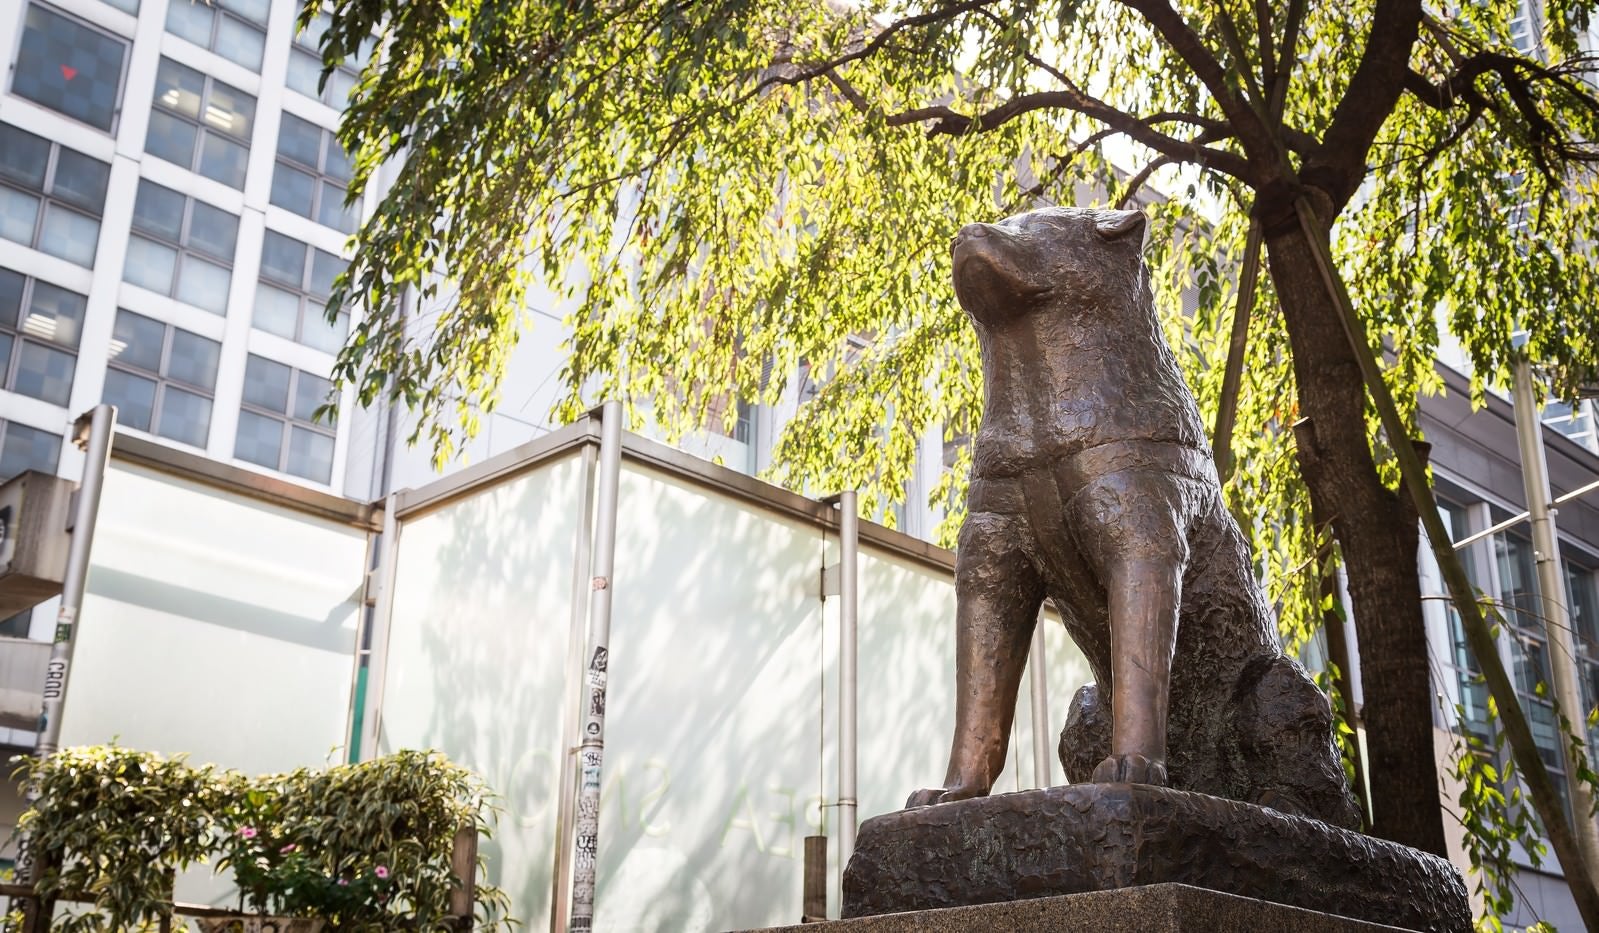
[1377, 533]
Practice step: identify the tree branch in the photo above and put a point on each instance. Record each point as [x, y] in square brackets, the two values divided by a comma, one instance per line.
[1247, 125]
[1373, 90]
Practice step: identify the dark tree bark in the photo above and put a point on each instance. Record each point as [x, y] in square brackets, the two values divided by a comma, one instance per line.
[1377, 533]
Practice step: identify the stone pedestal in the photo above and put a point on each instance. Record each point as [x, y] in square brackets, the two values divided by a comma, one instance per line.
[1099, 837]
[1159, 908]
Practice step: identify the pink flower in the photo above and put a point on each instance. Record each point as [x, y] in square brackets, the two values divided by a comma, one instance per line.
[381, 871]
[248, 832]
[344, 882]
[288, 848]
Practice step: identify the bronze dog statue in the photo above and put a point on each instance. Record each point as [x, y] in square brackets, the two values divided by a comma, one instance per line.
[1092, 485]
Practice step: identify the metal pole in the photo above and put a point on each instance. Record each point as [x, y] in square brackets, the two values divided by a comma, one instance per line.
[849, 535]
[99, 424]
[576, 643]
[591, 754]
[1552, 599]
[377, 659]
[1038, 680]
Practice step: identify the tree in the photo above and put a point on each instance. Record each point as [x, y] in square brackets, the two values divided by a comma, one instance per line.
[728, 190]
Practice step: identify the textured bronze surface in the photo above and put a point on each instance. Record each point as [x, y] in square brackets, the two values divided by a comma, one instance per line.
[1092, 485]
[1156, 908]
[1096, 837]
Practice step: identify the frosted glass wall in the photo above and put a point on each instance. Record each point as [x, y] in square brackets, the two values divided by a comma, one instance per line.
[722, 715]
[215, 625]
[477, 640]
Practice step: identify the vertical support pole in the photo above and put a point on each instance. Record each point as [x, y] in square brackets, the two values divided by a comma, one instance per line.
[1038, 682]
[849, 536]
[377, 665]
[93, 432]
[572, 715]
[1233, 375]
[463, 869]
[591, 754]
[813, 907]
[1552, 600]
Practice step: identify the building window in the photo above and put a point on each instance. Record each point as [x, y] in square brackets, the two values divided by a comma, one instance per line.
[200, 123]
[277, 426]
[161, 378]
[292, 296]
[25, 448]
[1574, 421]
[181, 247]
[305, 66]
[131, 7]
[69, 67]
[234, 29]
[312, 174]
[50, 196]
[39, 329]
[1468, 673]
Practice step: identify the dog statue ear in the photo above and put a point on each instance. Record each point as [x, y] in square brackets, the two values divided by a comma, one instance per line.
[1114, 225]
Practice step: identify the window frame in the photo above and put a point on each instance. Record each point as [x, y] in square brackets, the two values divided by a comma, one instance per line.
[163, 380]
[298, 45]
[217, 11]
[288, 421]
[182, 247]
[122, 76]
[10, 364]
[311, 304]
[5, 435]
[48, 198]
[209, 83]
[327, 139]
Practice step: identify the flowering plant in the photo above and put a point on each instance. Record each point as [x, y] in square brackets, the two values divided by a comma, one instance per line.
[281, 878]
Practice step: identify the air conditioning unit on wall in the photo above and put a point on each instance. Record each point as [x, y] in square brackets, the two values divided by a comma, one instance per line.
[33, 539]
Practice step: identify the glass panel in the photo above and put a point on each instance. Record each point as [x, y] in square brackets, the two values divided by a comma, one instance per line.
[239, 42]
[338, 165]
[19, 214]
[341, 84]
[311, 38]
[44, 372]
[10, 296]
[193, 359]
[159, 211]
[7, 343]
[149, 265]
[1518, 587]
[185, 417]
[134, 397]
[331, 209]
[253, 10]
[310, 393]
[80, 180]
[212, 231]
[310, 455]
[136, 341]
[54, 314]
[126, 6]
[325, 267]
[1584, 602]
[300, 140]
[259, 439]
[28, 448]
[320, 335]
[283, 259]
[230, 110]
[170, 138]
[223, 160]
[203, 284]
[69, 235]
[305, 73]
[69, 67]
[17, 626]
[191, 20]
[179, 87]
[266, 384]
[276, 311]
[293, 189]
[23, 156]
